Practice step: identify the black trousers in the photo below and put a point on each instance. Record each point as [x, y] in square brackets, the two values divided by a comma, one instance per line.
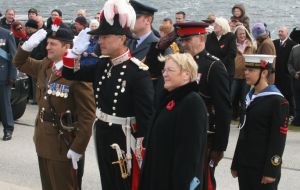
[110, 173]
[250, 179]
[209, 181]
[80, 171]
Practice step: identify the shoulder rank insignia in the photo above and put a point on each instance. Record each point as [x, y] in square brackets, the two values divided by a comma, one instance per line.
[212, 56]
[140, 64]
[103, 56]
[276, 160]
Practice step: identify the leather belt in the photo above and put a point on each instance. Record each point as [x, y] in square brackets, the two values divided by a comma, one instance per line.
[48, 116]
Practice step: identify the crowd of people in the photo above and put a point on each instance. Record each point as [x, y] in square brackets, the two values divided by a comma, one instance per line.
[160, 102]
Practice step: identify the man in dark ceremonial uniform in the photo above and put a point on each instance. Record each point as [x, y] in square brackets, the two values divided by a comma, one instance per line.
[214, 89]
[123, 92]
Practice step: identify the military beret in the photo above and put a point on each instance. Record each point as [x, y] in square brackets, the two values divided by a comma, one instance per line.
[62, 34]
[32, 23]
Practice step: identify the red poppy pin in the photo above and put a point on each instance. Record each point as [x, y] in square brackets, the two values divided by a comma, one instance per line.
[222, 46]
[170, 105]
[57, 21]
[55, 25]
[263, 63]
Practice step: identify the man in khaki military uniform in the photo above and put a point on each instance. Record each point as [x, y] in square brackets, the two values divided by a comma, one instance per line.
[66, 111]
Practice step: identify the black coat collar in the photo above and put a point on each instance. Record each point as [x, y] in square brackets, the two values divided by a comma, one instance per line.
[178, 93]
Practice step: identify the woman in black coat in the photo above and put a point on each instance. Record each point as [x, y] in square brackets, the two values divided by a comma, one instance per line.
[177, 138]
[222, 44]
[258, 155]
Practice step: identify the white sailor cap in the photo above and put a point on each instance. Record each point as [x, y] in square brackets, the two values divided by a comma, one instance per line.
[259, 61]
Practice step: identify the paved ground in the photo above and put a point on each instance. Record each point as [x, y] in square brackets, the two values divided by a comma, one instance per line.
[19, 168]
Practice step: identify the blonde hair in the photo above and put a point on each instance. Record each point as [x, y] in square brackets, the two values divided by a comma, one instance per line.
[224, 24]
[94, 21]
[242, 27]
[186, 63]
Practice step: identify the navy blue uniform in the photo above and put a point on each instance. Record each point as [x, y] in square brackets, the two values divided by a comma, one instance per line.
[7, 72]
[214, 89]
[261, 141]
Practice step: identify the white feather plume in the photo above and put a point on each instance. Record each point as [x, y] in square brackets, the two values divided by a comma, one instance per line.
[126, 12]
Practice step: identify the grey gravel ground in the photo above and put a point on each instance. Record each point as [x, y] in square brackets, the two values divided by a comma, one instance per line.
[19, 168]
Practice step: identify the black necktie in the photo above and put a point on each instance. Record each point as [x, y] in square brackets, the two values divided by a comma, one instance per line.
[135, 42]
[281, 43]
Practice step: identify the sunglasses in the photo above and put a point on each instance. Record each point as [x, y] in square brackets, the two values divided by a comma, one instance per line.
[20, 28]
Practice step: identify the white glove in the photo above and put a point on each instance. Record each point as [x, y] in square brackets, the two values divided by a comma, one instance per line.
[34, 40]
[75, 158]
[81, 42]
[209, 29]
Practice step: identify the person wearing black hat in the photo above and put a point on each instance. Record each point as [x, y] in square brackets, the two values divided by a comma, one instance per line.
[123, 93]
[258, 154]
[32, 13]
[31, 27]
[65, 114]
[145, 48]
[214, 89]
[142, 47]
[80, 24]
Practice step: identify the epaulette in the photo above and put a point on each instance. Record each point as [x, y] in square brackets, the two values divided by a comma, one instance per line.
[103, 56]
[140, 64]
[295, 46]
[212, 57]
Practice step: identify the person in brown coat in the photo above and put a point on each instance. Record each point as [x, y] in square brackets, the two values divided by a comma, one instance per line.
[239, 88]
[66, 111]
[239, 15]
[265, 44]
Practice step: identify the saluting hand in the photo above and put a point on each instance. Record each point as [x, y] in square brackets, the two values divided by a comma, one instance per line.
[34, 40]
[267, 180]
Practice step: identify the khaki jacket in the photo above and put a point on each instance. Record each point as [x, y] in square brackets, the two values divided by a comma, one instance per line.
[80, 101]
